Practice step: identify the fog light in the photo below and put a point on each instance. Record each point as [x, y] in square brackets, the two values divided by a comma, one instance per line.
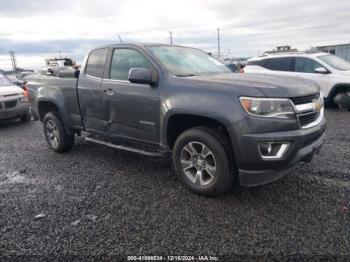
[273, 150]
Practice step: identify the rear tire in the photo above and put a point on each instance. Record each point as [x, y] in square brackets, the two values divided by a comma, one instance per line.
[201, 162]
[56, 135]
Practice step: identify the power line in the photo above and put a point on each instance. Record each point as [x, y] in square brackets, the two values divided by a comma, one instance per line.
[296, 29]
[207, 40]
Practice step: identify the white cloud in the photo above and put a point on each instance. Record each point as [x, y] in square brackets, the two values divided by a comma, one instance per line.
[28, 62]
[41, 27]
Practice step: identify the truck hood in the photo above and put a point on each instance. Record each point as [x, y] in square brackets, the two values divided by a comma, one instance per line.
[271, 86]
[10, 90]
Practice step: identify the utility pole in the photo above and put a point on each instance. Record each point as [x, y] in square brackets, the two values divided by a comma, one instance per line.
[171, 37]
[218, 42]
[13, 61]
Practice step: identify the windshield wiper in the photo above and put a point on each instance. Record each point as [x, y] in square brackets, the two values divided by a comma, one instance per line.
[185, 75]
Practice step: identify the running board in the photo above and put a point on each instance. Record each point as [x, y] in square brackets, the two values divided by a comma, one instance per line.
[125, 148]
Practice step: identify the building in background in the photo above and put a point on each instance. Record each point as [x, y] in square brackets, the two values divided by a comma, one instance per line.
[281, 49]
[341, 50]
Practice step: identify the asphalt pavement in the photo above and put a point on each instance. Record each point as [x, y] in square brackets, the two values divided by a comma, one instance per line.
[99, 202]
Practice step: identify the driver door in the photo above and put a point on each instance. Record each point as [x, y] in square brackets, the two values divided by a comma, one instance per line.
[131, 110]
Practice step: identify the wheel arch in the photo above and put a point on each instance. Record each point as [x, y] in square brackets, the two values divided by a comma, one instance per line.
[180, 122]
[335, 90]
[50, 98]
[47, 105]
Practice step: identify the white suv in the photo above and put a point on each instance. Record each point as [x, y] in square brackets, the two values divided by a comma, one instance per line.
[332, 73]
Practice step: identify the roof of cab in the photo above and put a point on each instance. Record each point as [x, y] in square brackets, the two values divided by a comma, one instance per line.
[132, 44]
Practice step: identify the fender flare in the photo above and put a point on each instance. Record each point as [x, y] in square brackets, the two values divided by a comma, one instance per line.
[53, 95]
[174, 112]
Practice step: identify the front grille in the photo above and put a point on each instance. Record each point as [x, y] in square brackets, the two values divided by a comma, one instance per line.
[309, 109]
[304, 99]
[307, 118]
[10, 104]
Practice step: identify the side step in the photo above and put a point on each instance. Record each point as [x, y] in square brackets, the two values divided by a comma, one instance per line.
[126, 148]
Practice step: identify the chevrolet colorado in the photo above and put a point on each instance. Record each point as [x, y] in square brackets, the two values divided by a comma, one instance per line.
[156, 99]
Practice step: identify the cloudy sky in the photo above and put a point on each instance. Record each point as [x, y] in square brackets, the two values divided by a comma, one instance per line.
[36, 29]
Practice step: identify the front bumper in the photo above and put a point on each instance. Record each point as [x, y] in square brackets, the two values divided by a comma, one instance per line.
[17, 111]
[254, 171]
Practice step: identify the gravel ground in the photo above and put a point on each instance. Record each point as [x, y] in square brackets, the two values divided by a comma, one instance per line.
[97, 201]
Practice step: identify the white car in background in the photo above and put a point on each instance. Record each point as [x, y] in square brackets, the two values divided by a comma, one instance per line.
[332, 73]
[14, 101]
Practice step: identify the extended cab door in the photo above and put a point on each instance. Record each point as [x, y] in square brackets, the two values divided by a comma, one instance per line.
[131, 110]
[89, 91]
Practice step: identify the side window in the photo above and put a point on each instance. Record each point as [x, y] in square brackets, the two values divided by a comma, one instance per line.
[305, 65]
[257, 63]
[96, 63]
[279, 64]
[123, 60]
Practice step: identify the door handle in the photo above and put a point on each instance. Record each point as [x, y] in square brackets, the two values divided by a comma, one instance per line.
[109, 91]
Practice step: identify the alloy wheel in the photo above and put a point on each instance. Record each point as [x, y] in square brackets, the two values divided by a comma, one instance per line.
[52, 133]
[198, 163]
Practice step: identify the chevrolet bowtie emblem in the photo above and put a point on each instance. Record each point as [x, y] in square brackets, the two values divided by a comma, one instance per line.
[317, 106]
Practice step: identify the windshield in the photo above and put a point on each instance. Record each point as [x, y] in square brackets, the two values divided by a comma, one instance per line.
[335, 62]
[4, 81]
[185, 61]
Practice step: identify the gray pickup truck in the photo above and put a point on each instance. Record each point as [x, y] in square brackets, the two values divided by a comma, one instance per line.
[220, 128]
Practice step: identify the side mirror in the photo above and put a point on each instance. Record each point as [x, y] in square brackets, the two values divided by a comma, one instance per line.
[141, 76]
[321, 70]
[76, 73]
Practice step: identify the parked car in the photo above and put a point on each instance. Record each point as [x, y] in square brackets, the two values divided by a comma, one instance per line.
[13, 101]
[232, 67]
[332, 73]
[62, 67]
[158, 99]
[25, 74]
[236, 66]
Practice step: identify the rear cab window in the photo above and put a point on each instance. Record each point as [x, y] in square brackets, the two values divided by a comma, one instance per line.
[256, 62]
[96, 63]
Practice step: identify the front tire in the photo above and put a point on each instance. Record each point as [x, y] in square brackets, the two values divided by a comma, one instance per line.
[343, 108]
[56, 135]
[26, 117]
[342, 100]
[201, 162]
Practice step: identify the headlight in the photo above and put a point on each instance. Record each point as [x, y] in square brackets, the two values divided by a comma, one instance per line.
[268, 107]
[23, 98]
